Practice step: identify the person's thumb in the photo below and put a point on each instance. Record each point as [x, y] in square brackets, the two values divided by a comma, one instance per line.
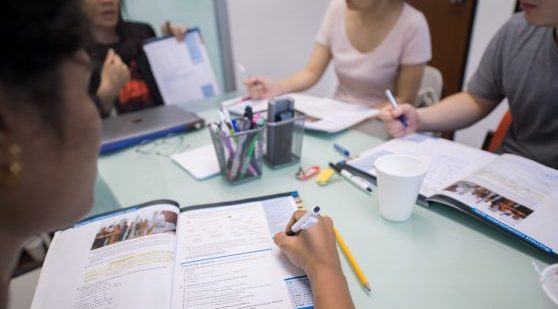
[110, 56]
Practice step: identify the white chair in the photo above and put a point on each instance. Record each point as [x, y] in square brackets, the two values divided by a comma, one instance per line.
[430, 90]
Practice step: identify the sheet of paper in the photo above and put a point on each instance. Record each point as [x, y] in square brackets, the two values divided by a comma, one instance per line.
[447, 161]
[238, 105]
[324, 114]
[122, 260]
[226, 258]
[201, 162]
[182, 70]
[518, 192]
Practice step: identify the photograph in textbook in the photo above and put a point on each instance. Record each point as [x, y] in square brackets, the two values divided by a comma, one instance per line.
[159, 222]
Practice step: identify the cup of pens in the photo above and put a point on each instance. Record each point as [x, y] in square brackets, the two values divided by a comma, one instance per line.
[239, 149]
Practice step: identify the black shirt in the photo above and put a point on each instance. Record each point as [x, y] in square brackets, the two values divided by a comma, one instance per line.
[141, 91]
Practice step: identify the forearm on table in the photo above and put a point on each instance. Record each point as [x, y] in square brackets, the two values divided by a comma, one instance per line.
[454, 112]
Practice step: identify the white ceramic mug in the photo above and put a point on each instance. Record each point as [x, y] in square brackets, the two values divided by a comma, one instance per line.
[399, 180]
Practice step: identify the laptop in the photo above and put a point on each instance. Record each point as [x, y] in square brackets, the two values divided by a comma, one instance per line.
[133, 128]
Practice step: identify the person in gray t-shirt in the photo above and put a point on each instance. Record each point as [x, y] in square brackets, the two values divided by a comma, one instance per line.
[520, 64]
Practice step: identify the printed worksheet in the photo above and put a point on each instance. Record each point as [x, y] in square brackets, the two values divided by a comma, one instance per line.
[182, 70]
[222, 253]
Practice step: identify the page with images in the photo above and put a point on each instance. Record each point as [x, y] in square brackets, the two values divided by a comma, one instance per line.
[517, 194]
[124, 259]
[182, 70]
[226, 257]
[447, 161]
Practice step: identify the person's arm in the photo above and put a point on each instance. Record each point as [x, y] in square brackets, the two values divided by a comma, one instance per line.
[408, 82]
[314, 250]
[261, 87]
[454, 112]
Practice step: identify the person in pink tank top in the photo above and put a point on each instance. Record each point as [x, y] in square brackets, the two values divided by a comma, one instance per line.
[374, 45]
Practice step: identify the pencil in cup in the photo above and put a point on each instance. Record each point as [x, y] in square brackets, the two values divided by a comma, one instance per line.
[351, 260]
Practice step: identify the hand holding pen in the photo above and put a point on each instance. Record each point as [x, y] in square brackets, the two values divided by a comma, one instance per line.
[315, 252]
[394, 104]
[400, 120]
[314, 249]
[305, 222]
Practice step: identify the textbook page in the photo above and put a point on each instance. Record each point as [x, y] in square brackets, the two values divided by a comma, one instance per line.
[119, 260]
[226, 258]
[516, 193]
[182, 70]
[447, 161]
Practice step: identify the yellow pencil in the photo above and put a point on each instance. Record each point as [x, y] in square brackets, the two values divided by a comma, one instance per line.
[351, 259]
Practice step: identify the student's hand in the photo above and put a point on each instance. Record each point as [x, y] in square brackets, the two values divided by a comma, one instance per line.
[177, 31]
[393, 125]
[262, 88]
[314, 249]
[114, 75]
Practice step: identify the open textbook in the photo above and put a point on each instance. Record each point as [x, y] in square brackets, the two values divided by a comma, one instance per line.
[323, 114]
[509, 192]
[157, 255]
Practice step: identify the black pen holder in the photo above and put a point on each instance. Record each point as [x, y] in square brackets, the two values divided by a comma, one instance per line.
[284, 141]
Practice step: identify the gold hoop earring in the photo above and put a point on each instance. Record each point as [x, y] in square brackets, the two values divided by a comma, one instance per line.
[10, 174]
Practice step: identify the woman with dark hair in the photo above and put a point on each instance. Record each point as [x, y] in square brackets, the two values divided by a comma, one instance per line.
[49, 128]
[121, 81]
[49, 140]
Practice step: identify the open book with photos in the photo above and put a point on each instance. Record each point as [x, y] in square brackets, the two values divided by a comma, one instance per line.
[157, 255]
[511, 193]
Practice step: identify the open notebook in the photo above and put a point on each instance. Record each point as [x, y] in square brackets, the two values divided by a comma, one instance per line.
[157, 255]
[511, 193]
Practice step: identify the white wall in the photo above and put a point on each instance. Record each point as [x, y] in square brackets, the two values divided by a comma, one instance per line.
[274, 38]
[490, 16]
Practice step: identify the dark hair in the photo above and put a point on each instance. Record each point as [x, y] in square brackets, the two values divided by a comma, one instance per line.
[40, 35]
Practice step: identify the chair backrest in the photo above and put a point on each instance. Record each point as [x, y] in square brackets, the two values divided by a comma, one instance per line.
[498, 136]
[430, 90]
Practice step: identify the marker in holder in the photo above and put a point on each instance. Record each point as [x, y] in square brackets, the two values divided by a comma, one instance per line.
[240, 154]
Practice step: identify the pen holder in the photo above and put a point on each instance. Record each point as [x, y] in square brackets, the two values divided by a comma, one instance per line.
[284, 141]
[240, 155]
